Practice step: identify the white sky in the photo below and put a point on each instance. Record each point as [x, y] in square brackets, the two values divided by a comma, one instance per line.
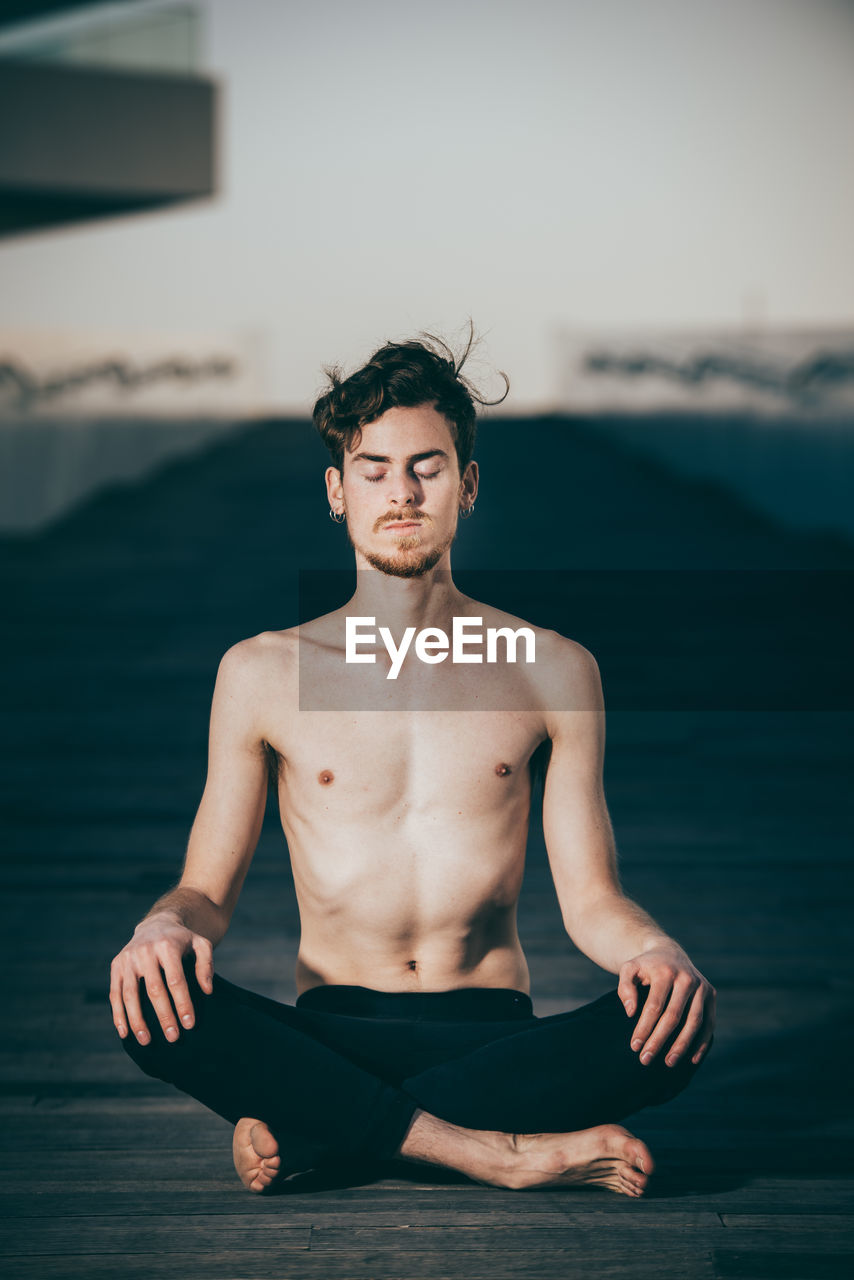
[540, 165]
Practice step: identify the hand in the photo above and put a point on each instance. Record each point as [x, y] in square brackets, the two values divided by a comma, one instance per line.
[676, 989]
[154, 954]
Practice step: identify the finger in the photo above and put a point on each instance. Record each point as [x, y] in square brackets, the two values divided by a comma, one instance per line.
[707, 1032]
[155, 986]
[119, 1018]
[659, 993]
[688, 1034]
[668, 1022]
[176, 981]
[626, 990]
[204, 963]
[130, 999]
[703, 1050]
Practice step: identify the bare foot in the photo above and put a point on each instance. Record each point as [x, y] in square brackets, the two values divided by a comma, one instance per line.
[606, 1156]
[256, 1154]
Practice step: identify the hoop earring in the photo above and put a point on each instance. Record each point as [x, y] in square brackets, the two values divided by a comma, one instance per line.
[465, 512]
[338, 516]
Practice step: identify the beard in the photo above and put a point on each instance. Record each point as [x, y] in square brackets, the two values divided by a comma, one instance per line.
[408, 560]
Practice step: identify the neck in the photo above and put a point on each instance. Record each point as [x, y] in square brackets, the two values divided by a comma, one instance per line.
[430, 600]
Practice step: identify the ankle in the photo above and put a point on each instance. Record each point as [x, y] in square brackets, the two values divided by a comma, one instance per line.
[486, 1155]
[426, 1139]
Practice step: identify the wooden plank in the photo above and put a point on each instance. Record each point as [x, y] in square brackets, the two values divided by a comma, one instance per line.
[172, 1163]
[407, 1212]
[203, 1233]
[390, 1263]
[745, 1263]
[805, 1224]
[491, 1234]
[206, 1233]
[393, 1203]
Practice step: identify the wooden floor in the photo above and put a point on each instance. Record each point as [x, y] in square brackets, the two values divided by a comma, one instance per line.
[734, 827]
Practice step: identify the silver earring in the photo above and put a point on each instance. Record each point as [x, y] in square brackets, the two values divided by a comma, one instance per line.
[465, 512]
[337, 516]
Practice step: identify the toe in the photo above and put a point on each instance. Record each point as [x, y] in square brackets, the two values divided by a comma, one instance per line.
[629, 1186]
[633, 1179]
[641, 1158]
[635, 1152]
[263, 1141]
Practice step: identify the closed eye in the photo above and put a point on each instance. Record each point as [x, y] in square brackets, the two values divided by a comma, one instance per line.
[421, 475]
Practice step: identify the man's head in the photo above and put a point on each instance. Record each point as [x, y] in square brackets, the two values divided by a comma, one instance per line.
[401, 433]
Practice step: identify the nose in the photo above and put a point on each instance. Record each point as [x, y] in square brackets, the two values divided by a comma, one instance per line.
[402, 490]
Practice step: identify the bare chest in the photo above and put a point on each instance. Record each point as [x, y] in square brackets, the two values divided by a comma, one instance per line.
[417, 764]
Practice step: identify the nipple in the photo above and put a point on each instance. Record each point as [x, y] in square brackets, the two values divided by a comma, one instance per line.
[326, 777]
[503, 770]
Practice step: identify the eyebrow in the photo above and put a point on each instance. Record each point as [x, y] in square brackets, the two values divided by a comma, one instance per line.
[413, 457]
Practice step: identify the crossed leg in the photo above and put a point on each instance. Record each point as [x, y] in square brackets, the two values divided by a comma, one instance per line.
[248, 1055]
[557, 1074]
[533, 1107]
[553, 1090]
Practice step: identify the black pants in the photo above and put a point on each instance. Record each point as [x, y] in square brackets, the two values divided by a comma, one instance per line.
[340, 1074]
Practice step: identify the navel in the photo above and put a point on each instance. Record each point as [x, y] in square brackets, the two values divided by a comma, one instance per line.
[503, 770]
[326, 777]
[411, 963]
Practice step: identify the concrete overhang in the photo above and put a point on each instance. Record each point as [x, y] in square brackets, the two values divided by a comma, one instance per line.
[80, 142]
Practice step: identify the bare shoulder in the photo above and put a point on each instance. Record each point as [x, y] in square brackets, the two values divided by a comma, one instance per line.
[253, 663]
[567, 660]
[567, 678]
[564, 671]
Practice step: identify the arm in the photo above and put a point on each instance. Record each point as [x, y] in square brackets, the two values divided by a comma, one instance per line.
[603, 923]
[194, 916]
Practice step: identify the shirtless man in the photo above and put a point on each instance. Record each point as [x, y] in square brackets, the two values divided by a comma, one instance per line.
[413, 1035]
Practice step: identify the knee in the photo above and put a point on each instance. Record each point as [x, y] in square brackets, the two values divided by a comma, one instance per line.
[672, 1080]
[612, 1009]
[159, 1057]
[664, 1082]
[188, 963]
[152, 1058]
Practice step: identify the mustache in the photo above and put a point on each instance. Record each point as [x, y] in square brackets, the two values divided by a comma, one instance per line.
[393, 517]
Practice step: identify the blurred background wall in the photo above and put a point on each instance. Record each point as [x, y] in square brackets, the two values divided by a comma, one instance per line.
[644, 207]
[543, 166]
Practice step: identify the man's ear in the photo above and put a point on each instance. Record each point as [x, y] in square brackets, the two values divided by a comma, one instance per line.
[469, 482]
[334, 485]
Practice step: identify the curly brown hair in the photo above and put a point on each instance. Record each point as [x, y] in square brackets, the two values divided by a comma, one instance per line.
[422, 370]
